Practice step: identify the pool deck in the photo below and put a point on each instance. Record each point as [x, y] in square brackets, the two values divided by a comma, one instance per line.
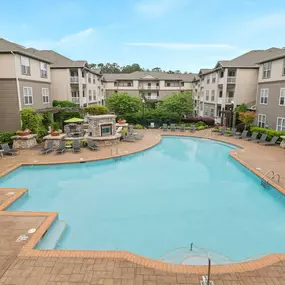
[21, 264]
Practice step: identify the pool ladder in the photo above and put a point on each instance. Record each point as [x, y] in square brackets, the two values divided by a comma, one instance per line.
[265, 182]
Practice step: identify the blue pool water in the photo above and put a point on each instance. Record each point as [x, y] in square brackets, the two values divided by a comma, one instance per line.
[183, 190]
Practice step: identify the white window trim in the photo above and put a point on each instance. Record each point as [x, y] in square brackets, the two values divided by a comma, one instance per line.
[277, 123]
[28, 104]
[282, 90]
[267, 67]
[258, 121]
[283, 67]
[43, 71]
[264, 97]
[25, 62]
[45, 95]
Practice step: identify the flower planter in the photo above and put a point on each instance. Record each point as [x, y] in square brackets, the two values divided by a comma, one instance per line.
[55, 134]
[22, 134]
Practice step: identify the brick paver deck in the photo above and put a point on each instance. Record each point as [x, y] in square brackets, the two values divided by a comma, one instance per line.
[25, 269]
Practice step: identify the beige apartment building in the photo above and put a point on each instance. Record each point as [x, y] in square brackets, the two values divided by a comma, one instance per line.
[154, 85]
[229, 83]
[74, 80]
[25, 81]
[270, 99]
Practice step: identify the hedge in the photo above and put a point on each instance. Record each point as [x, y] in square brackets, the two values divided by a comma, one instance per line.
[207, 120]
[6, 137]
[270, 132]
[94, 110]
[63, 104]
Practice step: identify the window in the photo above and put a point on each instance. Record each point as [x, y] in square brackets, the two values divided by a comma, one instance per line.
[89, 78]
[232, 73]
[212, 112]
[28, 95]
[149, 94]
[157, 84]
[221, 94]
[129, 84]
[115, 83]
[231, 94]
[221, 74]
[148, 84]
[201, 106]
[182, 83]
[25, 65]
[214, 79]
[207, 95]
[168, 84]
[280, 124]
[267, 70]
[264, 96]
[94, 79]
[94, 95]
[83, 93]
[43, 66]
[90, 94]
[283, 69]
[261, 120]
[213, 95]
[282, 97]
[208, 79]
[45, 95]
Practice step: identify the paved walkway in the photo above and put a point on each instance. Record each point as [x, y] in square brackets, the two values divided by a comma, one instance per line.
[16, 269]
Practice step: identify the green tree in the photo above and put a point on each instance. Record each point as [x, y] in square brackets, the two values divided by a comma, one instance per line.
[179, 102]
[123, 103]
[247, 118]
[241, 108]
[157, 69]
[96, 110]
[131, 68]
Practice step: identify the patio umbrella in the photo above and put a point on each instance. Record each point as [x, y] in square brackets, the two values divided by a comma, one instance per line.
[74, 120]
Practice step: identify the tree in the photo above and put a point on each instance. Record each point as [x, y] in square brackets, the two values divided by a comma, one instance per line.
[131, 68]
[241, 108]
[157, 69]
[247, 118]
[123, 103]
[179, 102]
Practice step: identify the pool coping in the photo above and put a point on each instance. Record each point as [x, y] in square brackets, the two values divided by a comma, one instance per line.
[28, 249]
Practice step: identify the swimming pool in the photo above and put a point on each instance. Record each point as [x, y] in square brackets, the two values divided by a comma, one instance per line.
[157, 202]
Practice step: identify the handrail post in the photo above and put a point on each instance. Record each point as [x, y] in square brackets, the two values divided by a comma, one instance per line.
[209, 270]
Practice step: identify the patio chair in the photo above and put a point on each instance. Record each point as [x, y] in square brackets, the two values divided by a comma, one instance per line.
[164, 127]
[61, 147]
[182, 128]
[262, 139]
[222, 131]
[76, 146]
[47, 149]
[129, 139]
[253, 137]
[242, 135]
[92, 145]
[192, 128]
[8, 150]
[172, 127]
[272, 142]
[231, 133]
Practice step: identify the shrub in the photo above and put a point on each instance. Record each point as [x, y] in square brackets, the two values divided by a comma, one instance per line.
[199, 124]
[138, 126]
[68, 143]
[84, 143]
[63, 103]
[270, 132]
[6, 137]
[55, 126]
[33, 121]
[200, 128]
[247, 118]
[96, 110]
[207, 120]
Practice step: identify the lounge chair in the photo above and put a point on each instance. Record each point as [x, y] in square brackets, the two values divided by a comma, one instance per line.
[92, 145]
[76, 146]
[164, 127]
[231, 133]
[272, 142]
[128, 139]
[47, 149]
[253, 137]
[61, 147]
[182, 128]
[172, 127]
[242, 135]
[262, 139]
[136, 136]
[222, 131]
[192, 128]
[8, 150]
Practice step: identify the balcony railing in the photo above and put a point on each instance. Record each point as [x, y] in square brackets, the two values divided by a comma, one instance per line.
[152, 87]
[74, 79]
[152, 97]
[231, 79]
[229, 100]
[75, 100]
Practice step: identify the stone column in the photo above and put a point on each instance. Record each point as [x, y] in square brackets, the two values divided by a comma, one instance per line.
[225, 88]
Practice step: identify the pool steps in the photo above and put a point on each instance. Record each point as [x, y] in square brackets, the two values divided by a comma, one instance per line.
[52, 236]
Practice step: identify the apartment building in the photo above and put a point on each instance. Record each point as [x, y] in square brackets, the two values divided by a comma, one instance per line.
[74, 80]
[25, 81]
[230, 83]
[270, 99]
[154, 85]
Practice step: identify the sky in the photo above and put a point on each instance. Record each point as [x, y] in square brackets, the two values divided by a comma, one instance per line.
[171, 34]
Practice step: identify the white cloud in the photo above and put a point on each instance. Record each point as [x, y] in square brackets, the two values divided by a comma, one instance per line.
[181, 46]
[70, 40]
[159, 8]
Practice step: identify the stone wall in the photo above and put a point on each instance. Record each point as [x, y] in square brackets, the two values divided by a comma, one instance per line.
[95, 122]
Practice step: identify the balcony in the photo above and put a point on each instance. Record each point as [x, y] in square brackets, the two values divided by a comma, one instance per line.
[231, 80]
[147, 87]
[229, 100]
[75, 80]
[151, 97]
[75, 100]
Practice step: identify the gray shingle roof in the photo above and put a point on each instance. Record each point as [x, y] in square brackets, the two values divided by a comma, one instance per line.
[8, 47]
[279, 56]
[144, 75]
